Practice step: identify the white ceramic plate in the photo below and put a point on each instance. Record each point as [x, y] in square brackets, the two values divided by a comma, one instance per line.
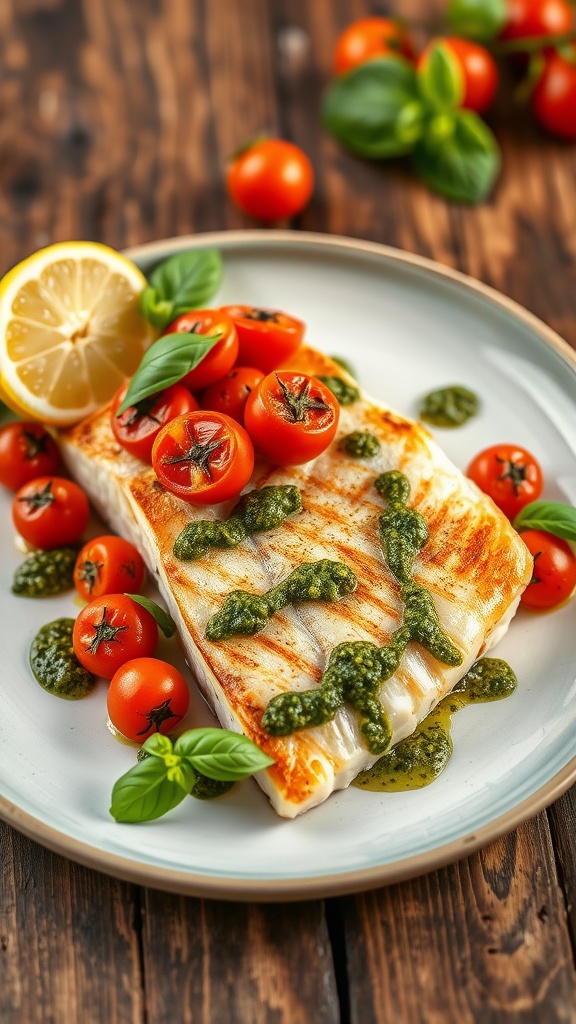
[408, 325]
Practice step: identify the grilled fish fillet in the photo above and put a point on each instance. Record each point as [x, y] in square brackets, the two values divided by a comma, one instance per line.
[475, 565]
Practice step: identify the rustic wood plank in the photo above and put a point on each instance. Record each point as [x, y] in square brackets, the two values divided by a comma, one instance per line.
[69, 945]
[562, 817]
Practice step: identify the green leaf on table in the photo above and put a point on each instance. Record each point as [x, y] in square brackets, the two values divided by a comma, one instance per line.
[440, 78]
[376, 110]
[184, 281]
[165, 363]
[476, 19]
[221, 754]
[150, 789]
[458, 156]
[163, 619]
[551, 516]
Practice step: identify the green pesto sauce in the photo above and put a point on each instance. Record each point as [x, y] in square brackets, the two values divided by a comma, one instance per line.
[360, 445]
[246, 614]
[345, 365]
[357, 670]
[260, 510]
[419, 759]
[54, 664]
[345, 393]
[449, 407]
[45, 573]
[203, 788]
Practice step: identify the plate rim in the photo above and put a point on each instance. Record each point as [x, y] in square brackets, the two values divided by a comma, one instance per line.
[342, 883]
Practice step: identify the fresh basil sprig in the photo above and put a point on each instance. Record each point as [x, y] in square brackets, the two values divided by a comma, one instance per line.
[441, 80]
[458, 156]
[164, 621]
[185, 281]
[477, 19]
[155, 785]
[165, 363]
[551, 516]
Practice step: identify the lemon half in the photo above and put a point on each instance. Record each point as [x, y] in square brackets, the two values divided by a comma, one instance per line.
[71, 331]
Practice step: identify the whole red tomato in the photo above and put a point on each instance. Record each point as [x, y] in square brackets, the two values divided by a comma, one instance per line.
[50, 512]
[138, 427]
[554, 573]
[478, 68]
[509, 474]
[230, 393]
[291, 417]
[528, 18]
[203, 457]
[221, 357]
[270, 179]
[108, 565]
[266, 337]
[147, 695]
[26, 451]
[369, 37]
[554, 96]
[112, 630]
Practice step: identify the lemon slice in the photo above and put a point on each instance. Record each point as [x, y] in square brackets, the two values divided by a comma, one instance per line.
[71, 331]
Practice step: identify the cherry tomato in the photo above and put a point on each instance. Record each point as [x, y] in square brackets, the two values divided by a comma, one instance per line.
[108, 565]
[138, 427]
[509, 474]
[554, 96]
[221, 357]
[203, 457]
[554, 573]
[369, 37]
[528, 18]
[112, 630]
[270, 179]
[146, 696]
[479, 71]
[267, 338]
[291, 417]
[229, 394]
[50, 512]
[26, 451]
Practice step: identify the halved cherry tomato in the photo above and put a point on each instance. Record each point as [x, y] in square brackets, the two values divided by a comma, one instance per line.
[112, 630]
[147, 695]
[229, 394]
[108, 565]
[138, 427]
[267, 338]
[478, 68]
[554, 573]
[50, 512]
[26, 451]
[221, 357]
[291, 417]
[270, 179]
[203, 457]
[554, 95]
[369, 37]
[509, 474]
[529, 18]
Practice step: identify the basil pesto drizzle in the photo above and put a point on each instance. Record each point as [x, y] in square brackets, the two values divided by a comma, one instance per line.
[45, 573]
[420, 758]
[360, 444]
[345, 393]
[262, 509]
[246, 614]
[54, 664]
[357, 670]
[449, 407]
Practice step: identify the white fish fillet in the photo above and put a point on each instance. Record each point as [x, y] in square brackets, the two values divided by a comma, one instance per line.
[474, 564]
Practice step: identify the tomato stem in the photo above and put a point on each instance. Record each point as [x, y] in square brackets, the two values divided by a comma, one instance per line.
[156, 716]
[515, 472]
[199, 453]
[105, 632]
[297, 405]
[35, 444]
[40, 498]
[262, 316]
[141, 410]
[89, 573]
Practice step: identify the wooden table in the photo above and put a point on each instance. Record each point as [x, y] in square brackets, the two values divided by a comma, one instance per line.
[116, 121]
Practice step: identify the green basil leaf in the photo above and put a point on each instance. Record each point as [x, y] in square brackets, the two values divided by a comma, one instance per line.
[375, 110]
[165, 621]
[184, 281]
[441, 79]
[165, 363]
[220, 754]
[458, 157]
[149, 790]
[551, 516]
[477, 19]
[158, 745]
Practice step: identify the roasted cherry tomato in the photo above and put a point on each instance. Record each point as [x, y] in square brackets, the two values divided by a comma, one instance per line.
[203, 457]
[138, 427]
[267, 338]
[554, 573]
[26, 451]
[528, 18]
[509, 474]
[478, 68]
[108, 565]
[554, 95]
[229, 394]
[112, 630]
[221, 357]
[50, 512]
[146, 696]
[369, 37]
[291, 417]
[270, 179]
